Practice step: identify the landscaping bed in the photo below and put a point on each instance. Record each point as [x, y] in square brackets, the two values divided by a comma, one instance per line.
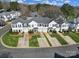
[73, 35]
[33, 42]
[59, 38]
[11, 39]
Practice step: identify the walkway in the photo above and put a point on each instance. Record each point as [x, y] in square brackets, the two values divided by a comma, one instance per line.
[54, 42]
[67, 39]
[42, 41]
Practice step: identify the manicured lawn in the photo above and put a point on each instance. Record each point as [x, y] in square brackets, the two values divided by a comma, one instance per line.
[74, 36]
[11, 39]
[59, 38]
[33, 41]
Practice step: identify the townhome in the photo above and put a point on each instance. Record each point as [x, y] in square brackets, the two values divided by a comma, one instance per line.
[74, 24]
[2, 24]
[63, 24]
[40, 24]
[53, 26]
[77, 24]
[36, 24]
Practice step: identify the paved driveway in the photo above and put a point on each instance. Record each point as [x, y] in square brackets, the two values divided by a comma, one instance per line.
[43, 41]
[67, 39]
[23, 43]
[53, 41]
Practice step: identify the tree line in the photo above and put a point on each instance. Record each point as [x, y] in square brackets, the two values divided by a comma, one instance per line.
[67, 10]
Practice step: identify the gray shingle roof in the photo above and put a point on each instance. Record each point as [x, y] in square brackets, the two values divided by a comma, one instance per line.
[59, 20]
[44, 20]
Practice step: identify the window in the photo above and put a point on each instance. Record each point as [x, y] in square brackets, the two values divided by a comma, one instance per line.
[32, 25]
[54, 25]
[46, 25]
[40, 24]
[64, 26]
[19, 25]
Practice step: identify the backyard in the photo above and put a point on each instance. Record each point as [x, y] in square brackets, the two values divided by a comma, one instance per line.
[11, 39]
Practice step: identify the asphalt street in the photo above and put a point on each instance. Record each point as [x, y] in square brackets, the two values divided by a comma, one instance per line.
[35, 52]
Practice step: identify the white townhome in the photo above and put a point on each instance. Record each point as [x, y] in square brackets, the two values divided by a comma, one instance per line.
[53, 26]
[40, 24]
[74, 24]
[64, 26]
[36, 24]
[77, 24]
[77, 27]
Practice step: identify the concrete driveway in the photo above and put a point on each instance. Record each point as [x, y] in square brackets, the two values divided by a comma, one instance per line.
[67, 39]
[43, 41]
[53, 41]
[23, 43]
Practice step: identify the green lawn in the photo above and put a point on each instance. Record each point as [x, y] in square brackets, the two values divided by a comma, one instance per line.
[11, 39]
[74, 36]
[59, 38]
[33, 42]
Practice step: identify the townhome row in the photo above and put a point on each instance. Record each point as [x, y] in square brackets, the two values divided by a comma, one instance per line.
[6, 16]
[42, 24]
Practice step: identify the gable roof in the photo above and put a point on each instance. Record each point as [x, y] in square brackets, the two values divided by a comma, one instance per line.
[60, 20]
[44, 20]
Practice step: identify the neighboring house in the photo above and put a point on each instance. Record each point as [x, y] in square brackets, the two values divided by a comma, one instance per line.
[2, 24]
[74, 24]
[6, 16]
[77, 27]
[77, 24]
[34, 14]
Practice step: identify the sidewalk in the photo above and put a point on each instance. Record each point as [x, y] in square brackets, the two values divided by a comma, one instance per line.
[42, 41]
[53, 41]
[67, 39]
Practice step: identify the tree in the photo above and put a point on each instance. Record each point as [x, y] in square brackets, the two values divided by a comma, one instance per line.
[38, 6]
[1, 6]
[29, 7]
[13, 5]
[68, 11]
